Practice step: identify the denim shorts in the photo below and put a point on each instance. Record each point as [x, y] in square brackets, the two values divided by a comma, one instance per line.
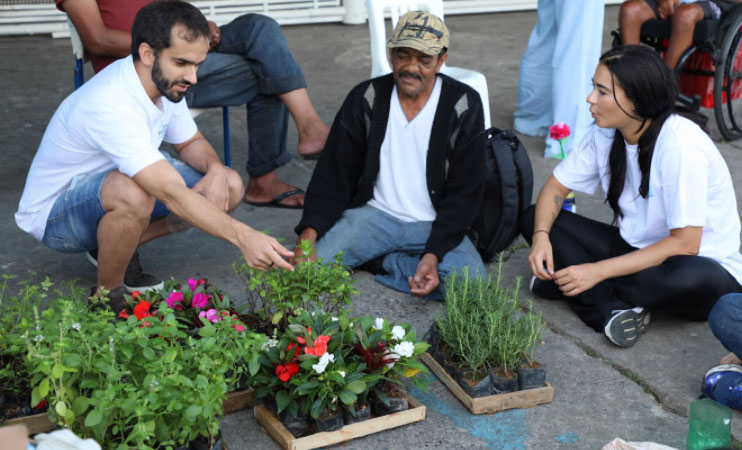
[72, 226]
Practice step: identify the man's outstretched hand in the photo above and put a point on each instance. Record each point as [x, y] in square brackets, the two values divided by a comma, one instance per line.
[426, 278]
[263, 252]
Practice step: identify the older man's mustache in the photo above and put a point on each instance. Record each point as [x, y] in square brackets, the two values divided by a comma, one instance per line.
[405, 74]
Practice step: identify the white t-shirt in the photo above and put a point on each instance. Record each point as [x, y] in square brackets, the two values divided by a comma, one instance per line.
[689, 186]
[401, 187]
[110, 122]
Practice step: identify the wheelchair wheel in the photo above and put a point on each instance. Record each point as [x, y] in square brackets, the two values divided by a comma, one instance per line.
[728, 81]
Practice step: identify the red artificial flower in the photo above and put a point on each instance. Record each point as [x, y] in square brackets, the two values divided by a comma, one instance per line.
[559, 131]
[286, 371]
[142, 309]
[123, 314]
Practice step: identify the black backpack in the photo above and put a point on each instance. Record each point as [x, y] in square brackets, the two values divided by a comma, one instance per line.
[507, 193]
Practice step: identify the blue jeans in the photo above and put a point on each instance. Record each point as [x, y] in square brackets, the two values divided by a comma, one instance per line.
[366, 233]
[72, 226]
[557, 68]
[725, 322]
[252, 65]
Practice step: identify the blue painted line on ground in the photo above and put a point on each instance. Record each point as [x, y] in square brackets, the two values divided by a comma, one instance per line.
[506, 430]
[570, 437]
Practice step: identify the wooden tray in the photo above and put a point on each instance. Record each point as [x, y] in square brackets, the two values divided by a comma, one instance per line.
[238, 400]
[491, 403]
[287, 441]
[35, 424]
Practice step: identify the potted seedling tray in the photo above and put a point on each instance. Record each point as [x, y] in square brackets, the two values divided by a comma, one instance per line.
[287, 441]
[491, 403]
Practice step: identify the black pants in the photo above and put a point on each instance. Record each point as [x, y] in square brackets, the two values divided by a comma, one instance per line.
[685, 285]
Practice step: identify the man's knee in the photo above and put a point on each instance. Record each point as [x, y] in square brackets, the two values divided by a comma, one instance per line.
[728, 309]
[121, 193]
[634, 12]
[258, 23]
[686, 17]
[236, 188]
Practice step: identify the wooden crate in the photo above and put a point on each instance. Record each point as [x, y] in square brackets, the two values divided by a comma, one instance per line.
[491, 403]
[287, 441]
[238, 400]
[35, 424]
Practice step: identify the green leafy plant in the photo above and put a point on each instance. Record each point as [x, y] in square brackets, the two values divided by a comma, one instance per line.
[276, 294]
[140, 382]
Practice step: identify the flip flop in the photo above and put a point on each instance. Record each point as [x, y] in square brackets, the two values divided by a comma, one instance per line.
[276, 202]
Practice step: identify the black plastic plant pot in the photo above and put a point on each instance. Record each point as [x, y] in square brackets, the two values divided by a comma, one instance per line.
[531, 376]
[475, 384]
[202, 443]
[329, 421]
[433, 337]
[395, 400]
[503, 382]
[297, 425]
[362, 413]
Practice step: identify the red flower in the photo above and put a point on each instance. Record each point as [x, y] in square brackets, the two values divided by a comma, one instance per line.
[201, 281]
[286, 371]
[41, 404]
[123, 314]
[296, 352]
[142, 309]
[559, 131]
[135, 295]
[320, 346]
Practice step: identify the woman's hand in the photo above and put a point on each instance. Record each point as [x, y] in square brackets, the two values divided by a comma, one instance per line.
[574, 280]
[541, 258]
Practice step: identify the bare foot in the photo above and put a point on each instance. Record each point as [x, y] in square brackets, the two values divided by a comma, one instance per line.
[731, 358]
[312, 138]
[265, 188]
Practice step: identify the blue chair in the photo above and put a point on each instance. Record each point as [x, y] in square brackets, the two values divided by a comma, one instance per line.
[80, 57]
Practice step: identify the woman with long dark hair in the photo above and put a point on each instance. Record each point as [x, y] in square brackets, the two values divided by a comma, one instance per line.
[675, 243]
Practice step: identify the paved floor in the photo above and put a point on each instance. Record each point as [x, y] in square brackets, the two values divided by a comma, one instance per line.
[601, 392]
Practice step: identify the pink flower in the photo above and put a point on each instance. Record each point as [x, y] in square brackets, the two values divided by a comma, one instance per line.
[559, 131]
[211, 315]
[239, 327]
[192, 284]
[174, 300]
[200, 300]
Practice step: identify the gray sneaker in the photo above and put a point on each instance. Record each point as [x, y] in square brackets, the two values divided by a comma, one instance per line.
[135, 279]
[625, 326]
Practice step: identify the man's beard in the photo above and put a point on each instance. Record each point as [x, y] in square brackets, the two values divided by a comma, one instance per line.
[164, 86]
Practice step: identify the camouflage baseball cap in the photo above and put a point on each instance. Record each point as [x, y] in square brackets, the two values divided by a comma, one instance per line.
[420, 30]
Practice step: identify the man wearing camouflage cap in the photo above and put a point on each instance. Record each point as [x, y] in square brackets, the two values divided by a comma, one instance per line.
[402, 174]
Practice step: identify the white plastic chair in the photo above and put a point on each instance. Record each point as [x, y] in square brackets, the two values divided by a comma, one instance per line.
[81, 57]
[379, 54]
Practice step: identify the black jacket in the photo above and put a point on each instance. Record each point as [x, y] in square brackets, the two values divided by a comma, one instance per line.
[346, 173]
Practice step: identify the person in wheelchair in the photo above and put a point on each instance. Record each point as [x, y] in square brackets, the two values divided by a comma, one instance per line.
[676, 244]
[683, 14]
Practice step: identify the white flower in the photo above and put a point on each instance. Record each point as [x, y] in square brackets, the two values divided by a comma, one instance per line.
[342, 373]
[268, 344]
[334, 319]
[76, 326]
[405, 349]
[38, 338]
[391, 357]
[378, 323]
[324, 360]
[398, 333]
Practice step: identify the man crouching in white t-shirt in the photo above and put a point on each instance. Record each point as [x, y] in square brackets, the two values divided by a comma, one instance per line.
[98, 179]
[402, 173]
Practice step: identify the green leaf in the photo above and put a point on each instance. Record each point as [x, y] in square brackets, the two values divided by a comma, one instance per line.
[277, 317]
[347, 397]
[254, 364]
[93, 418]
[35, 396]
[79, 405]
[207, 331]
[72, 360]
[43, 389]
[57, 372]
[192, 412]
[60, 408]
[69, 416]
[148, 353]
[282, 400]
[357, 387]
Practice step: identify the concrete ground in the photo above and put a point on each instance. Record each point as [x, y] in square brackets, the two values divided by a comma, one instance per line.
[601, 391]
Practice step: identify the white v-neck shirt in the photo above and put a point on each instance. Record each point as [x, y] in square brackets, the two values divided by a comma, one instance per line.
[401, 188]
